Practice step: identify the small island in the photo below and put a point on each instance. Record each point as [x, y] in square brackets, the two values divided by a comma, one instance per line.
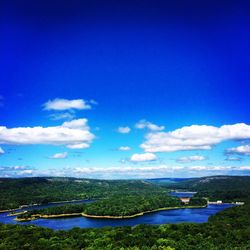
[116, 207]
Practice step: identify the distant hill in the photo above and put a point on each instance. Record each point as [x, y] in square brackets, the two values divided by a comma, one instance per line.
[24, 191]
[227, 188]
[214, 183]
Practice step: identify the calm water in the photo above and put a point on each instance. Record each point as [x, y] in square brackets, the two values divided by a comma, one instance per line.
[183, 194]
[198, 215]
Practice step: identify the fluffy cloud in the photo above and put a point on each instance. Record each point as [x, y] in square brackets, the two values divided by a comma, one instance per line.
[244, 168]
[73, 134]
[149, 125]
[123, 130]
[26, 172]
[187, 159]
[242, 150]
[16, 171]
[64, 104]
[124, 148]
[143, 157]
[78, 146]
[210, 168]
[59, 155]
[194, 137]
[125, 172]
[232, 158]
[62, 116]
[1, 151]
[13, 168]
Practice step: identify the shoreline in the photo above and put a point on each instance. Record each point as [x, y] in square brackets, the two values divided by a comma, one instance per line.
[138, 214]
[40, 216]
[8, 210]
[39, 204]
[45, 216]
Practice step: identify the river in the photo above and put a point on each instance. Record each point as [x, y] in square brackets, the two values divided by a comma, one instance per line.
[197, 215]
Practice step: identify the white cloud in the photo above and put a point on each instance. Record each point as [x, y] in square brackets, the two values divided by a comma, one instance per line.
[78, 146]
[149, 125]
[64, 104]
[244, 168]
[62, 116]
[59, 155]
[210, 168]
[19, 167]
[232, 158]
[126, 172]
[26, 172]
[76, 124]
[123, 130]
[194, 137]
[1, 151]
[187, 159]
[13, 168]
[198, 168]
[242, 150]
[15, 171]
[143, 157]
[124, 148]
[73, 134]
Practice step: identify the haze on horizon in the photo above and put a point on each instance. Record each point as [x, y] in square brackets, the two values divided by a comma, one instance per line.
[135, 89]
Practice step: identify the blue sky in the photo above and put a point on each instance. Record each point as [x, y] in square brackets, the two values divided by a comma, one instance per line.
[73, 72]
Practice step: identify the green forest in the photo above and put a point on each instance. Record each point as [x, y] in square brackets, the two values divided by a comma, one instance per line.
[117, 206]
[225, 188]
[229, 229]
[25, 191]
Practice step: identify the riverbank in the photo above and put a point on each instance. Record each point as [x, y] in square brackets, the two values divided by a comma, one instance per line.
[45, 216]
[53, 216]
[8, 210]
[138, 214]
[49, 203]
[17, 213]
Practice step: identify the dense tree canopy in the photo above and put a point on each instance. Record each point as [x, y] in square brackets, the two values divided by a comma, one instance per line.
[24, 191]
[229, 229]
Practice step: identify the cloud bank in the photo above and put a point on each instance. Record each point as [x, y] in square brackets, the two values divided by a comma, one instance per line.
[242, 150]
[123, 130]
[149, 125]
[194, 137]
[143, 157]
[192, 158]
[59, 155]
[124, 148]
[127, 172]
[73, 134]
[65, 104]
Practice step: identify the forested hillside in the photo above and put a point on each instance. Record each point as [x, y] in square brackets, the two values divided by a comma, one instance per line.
[116, 206]
[229, 229]
[226, 188]
[24, 191]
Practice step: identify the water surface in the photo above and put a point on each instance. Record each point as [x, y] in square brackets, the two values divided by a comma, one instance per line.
[197, 215]
[182, 194]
